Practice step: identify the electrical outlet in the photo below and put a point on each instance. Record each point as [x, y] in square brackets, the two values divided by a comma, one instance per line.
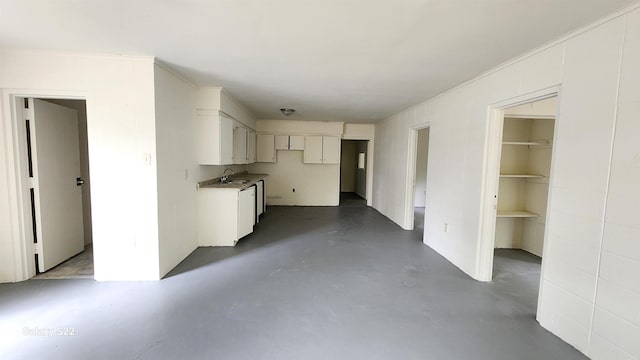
[446, 227]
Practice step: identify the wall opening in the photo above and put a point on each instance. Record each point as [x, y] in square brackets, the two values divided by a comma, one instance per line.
[353, 170]
[524, 161]
[59, 182]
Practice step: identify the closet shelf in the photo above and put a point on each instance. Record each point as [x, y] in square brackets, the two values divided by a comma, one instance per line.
[516, 214]
[521, 176]
[529, 143]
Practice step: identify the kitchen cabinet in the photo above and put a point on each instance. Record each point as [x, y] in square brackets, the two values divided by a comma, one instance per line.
[215, 138]
[289, 142]
[251, 147]
[246, 211]
[239, 145]
[321, 149]
[266, 151]
[260, 192]
[225, 215]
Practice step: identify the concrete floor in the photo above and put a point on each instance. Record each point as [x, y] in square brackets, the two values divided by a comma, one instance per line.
[78, 267]
[309, 283]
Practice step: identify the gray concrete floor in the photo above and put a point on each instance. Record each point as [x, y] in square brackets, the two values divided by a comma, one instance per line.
[309, 283]
[78, 267]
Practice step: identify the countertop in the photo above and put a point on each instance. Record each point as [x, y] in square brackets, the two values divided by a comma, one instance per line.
[216, 184]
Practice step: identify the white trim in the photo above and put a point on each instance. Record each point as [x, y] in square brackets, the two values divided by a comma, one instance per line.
[491, 177]
[17, 176]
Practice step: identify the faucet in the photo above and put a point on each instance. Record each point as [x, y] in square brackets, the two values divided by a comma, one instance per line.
[225, 177]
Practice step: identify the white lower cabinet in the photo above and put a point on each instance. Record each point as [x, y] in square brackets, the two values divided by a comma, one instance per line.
[225, 215]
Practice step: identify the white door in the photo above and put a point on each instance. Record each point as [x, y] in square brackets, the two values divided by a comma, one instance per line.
[251, 147]
[330, 150]
[246, 211]
[240, 145]
[296, 142]
[58, 199]
[282, 142]
[312, 150]
[266, 148]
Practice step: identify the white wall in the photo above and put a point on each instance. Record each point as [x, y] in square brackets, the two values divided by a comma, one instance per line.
[121, 128]
[314, 184]
[590, 291]
[420, 189]
[178, 170]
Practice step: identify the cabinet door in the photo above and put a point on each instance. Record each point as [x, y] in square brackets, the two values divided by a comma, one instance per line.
[246, 211]
[313, 150]
[296, 142]
[225, 139]
[239, 145]
[251, 147]
[266, 148]
[260, 198]
[282, 142]
[330, 150]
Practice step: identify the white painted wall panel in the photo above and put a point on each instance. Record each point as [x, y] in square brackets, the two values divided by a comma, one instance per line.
[177, 168]
[543, 70]
[121, 128]
[587, 65]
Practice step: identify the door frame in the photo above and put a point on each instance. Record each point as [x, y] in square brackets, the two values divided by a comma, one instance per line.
[411, 174]
[491, 177]
[20, 219]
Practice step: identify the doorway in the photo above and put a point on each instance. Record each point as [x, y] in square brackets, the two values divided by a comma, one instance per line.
[526, 139]
[417, 164]
[353, 170]
[59, 184]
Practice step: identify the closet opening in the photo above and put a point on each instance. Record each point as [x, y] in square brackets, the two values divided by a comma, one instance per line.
[522, 195]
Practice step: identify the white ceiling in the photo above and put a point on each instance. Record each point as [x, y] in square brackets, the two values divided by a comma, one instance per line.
[349, 60]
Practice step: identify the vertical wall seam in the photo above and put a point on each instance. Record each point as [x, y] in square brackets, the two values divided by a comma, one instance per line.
[608, 187]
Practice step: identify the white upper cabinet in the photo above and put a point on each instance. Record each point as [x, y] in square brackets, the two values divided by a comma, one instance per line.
[266, 148]
[282, 142]
[215, 138]
[296, 142]
[321, 149]
[289, 142]
[251, 147]
[239, 145]
[330, 150]
[313, 149]
[224, 128]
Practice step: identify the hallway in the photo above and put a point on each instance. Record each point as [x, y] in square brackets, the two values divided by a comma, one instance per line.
[309, 283]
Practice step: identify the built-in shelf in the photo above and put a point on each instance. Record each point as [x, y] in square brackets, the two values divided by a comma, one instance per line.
[526, 143]
[516, 214]
[521, 176]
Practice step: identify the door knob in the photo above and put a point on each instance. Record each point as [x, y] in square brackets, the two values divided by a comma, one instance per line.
[79, 181]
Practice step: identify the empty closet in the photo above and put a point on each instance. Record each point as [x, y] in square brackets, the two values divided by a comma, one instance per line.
[525, 167]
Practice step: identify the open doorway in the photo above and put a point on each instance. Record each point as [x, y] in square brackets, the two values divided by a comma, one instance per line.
[420, 183]
[416, 195]
[526, 139]
[353, 171]
[59, 186]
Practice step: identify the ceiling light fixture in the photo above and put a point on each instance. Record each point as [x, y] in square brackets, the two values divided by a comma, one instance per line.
[287, 111]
